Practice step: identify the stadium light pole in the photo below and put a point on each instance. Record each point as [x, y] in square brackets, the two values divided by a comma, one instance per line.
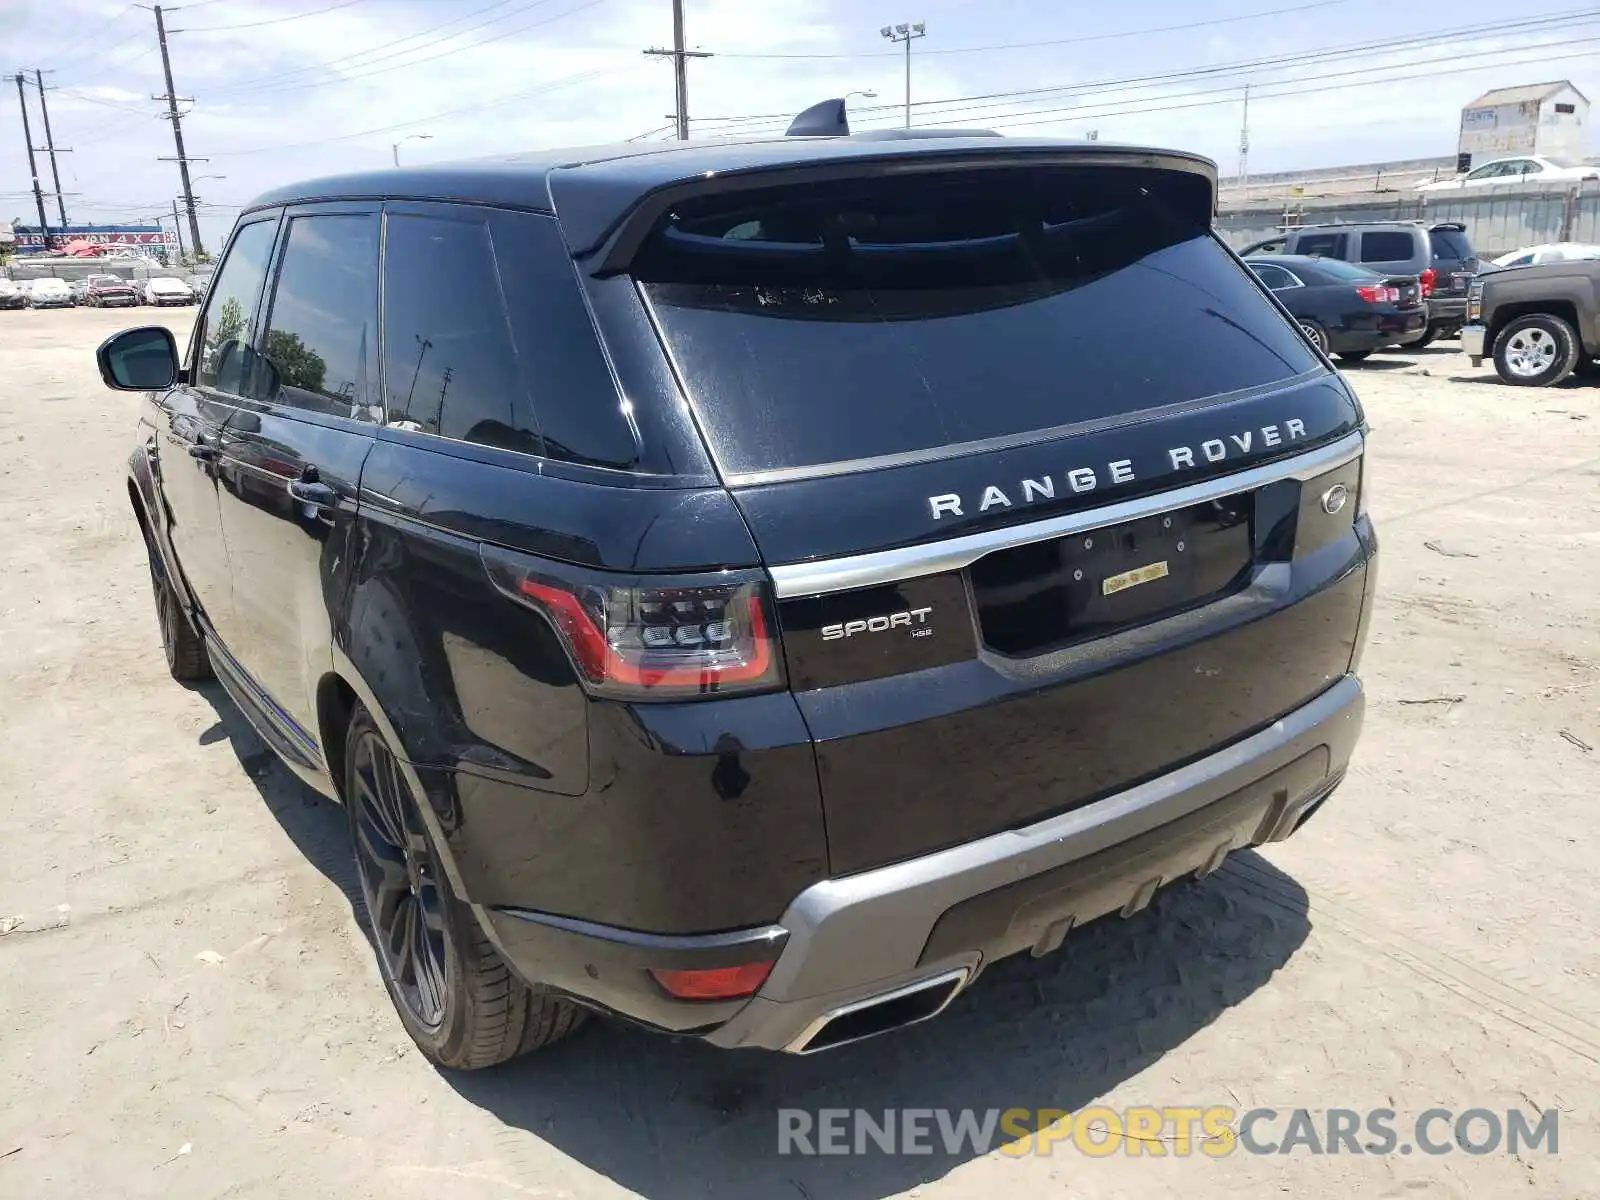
[906, 33]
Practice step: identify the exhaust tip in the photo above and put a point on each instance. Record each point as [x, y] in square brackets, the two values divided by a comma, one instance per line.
[879, 1014]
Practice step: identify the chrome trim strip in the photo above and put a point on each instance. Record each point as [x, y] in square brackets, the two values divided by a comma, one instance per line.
[933, 558]
[812, 1029]
[1037, 437]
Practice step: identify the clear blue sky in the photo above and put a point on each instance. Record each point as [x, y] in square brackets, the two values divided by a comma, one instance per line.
[287, 89]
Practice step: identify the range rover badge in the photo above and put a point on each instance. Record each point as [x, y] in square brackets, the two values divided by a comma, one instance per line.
[1334, 498]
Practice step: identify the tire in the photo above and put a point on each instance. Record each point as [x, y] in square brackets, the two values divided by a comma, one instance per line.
[1426, 339]
[1535, 351]
[457, 998]
[185, 649]
[1355, 355]
[1317, 334]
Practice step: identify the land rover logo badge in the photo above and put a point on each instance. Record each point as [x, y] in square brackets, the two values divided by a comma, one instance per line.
[1333, 499]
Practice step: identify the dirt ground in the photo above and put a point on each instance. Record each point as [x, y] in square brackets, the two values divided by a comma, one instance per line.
[193, 1010]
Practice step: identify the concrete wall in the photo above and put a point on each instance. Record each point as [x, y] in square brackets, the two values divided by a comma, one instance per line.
[1507, 220]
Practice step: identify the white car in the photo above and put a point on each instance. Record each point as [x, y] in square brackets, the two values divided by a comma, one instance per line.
[13, 295]
[49, 293]
[1511, 171]
[165, 290]
[1550, 252]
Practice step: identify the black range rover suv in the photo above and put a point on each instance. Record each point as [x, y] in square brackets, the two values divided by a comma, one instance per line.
[750, 588]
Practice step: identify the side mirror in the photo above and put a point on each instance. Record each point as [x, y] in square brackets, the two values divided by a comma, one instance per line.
[139, 360]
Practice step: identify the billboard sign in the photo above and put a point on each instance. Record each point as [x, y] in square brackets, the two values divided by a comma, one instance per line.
[30, 239]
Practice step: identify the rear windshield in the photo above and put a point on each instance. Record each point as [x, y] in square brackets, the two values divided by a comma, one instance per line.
[835, 322]
[1450, 243]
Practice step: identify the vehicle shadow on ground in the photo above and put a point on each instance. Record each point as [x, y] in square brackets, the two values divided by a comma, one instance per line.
[672, 1118]
[316, 825]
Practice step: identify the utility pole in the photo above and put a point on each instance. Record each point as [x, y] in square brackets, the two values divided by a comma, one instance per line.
[33, 168]
[183, 160]
[906, 34]
[680, 67]
[52, 149]
[177, 229]
[1244, 143]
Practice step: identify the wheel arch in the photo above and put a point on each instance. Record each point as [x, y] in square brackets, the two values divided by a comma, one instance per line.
[338, 693]
[1567, 310]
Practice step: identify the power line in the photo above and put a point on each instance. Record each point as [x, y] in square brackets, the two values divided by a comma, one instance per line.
[359, 71]
[316, 12]
[349, 60]
[580, 77]
[1072, 41]
[1405, 72]
[955, 105]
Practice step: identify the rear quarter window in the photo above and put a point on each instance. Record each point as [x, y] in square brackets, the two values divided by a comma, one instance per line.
[899, 317]
[1386, 246]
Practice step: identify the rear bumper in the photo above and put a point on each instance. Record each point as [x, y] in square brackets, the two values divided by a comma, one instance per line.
[937, 920]
[1447, 310]
[955, 911]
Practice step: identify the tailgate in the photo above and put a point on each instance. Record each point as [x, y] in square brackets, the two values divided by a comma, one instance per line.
[1034, 668]
[1029, 456]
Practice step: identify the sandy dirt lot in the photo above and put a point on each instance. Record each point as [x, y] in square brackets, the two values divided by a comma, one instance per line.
[192, 1011]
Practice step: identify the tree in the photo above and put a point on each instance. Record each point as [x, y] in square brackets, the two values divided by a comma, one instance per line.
[298, 365]
[230, 322]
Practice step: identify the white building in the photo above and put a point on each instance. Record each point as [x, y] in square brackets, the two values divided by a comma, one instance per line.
[1548, 119]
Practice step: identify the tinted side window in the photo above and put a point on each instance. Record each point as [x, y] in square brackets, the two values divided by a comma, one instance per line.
[580, 414]
[230, 314]
[1328, 245]
[1391, 246]
[449, 364]
[322, 334]
[1275, 278]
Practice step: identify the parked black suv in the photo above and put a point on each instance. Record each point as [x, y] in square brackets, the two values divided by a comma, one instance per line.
[750, 588]
[1439, 255]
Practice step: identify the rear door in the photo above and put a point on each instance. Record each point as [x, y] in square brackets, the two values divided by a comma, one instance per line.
[292, 456]
[192, 416]
[916, 387]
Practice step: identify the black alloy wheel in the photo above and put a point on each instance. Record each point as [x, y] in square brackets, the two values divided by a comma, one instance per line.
[458, 999]
[400, 882]
[185, 650]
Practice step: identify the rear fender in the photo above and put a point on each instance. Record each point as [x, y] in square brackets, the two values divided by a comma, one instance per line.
[441, 810]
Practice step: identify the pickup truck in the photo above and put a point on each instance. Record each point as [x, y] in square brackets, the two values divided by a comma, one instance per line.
[1539, 323]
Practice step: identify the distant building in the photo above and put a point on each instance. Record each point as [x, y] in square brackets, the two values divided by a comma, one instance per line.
[1547, 119]
[31, 239]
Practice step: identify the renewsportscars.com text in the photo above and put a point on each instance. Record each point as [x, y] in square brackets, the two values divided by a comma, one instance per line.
[1213, 1132]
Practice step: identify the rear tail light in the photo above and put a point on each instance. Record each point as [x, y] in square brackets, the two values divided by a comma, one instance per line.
[720, 983]
[1427, 278]
[1374, 293]
[652, 637]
